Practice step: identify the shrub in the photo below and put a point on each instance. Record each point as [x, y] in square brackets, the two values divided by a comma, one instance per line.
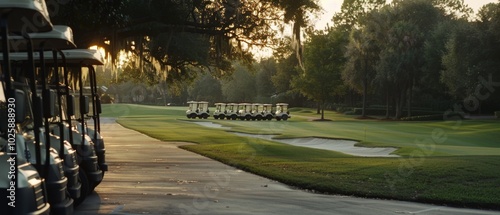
[382, 111]
[497, 114]
[433, 117]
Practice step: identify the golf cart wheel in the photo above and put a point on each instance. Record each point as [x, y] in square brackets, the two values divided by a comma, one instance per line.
[85, 189]
[221, 116]
[285, 117]
[98, 182]
[216, 117]
[248, 117]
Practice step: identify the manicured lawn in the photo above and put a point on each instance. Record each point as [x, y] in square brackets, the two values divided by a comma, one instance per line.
[452, 163]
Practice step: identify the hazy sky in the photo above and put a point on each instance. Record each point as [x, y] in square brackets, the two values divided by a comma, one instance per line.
[332, 6]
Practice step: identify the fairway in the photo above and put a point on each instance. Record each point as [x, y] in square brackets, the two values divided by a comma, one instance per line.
[453, 163]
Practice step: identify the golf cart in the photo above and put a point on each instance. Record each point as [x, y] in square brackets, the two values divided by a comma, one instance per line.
[257, 111]
[203, 111]
[220, 109]
[64, 125]
[282, 112]
[267, 111]
[245, 111]
[191, 111]
[77, 110]
[197, 109]
[16, 135]
[59, 156]
[231, 111]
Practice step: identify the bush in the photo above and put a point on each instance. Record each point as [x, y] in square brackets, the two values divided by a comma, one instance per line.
[433, 117]
[370, 111]
[382, 111]
[497, 114]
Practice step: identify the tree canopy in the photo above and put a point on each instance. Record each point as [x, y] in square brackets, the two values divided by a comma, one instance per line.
[323, 61]
[173, 35]
[409, 53]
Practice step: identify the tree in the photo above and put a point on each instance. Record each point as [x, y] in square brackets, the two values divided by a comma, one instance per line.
[462, 62]
[240, 87]
[454, 9]
[297, 13]
[323, 61]
[361, 53]
[362, 56]
[172, 35]
[402, 32]
[471, 58]
[206, 88]
[433, 91]
[264, 85]
[92, 21]
[287, 68]
[354, 11]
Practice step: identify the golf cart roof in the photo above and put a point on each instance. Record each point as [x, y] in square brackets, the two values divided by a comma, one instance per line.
[26, 15]
[282, 104]
[79, 57]
[60, 37]
[220, 103]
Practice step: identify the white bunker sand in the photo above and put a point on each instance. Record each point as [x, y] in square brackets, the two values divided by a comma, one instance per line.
[344, 146]
[211, 125]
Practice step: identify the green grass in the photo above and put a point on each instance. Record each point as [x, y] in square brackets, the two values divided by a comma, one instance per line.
[442, 162]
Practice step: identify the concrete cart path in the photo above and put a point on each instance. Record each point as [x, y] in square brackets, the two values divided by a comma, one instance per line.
[147, 176]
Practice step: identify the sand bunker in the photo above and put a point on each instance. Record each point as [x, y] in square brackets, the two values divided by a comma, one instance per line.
[211, 125]
[344, 146]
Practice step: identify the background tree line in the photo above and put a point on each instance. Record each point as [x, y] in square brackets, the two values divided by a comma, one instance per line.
[390, 59]
[411, 57]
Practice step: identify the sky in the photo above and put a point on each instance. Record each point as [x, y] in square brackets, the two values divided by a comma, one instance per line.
[332, 6]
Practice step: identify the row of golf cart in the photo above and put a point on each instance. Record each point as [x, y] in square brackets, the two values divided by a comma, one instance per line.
[242, 111]
[52, 155]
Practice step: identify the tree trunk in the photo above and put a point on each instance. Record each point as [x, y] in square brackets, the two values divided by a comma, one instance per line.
[410, 97]
[365, 86]
[400, 101]
[388, 102]
[318, 111]
[322, 112]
